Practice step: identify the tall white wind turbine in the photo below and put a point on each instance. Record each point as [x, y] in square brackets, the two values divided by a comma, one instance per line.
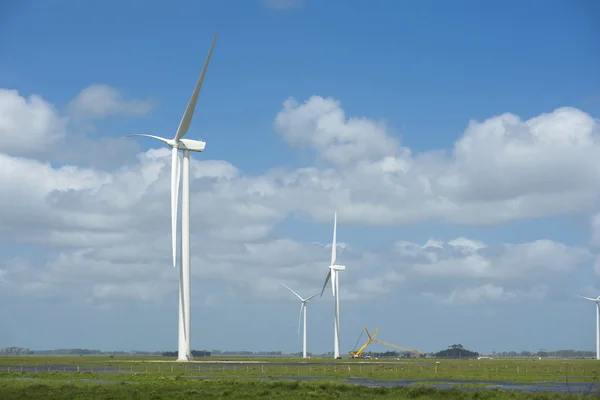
[302, 312]
[335, 287]
[179, 143]
[597, 301]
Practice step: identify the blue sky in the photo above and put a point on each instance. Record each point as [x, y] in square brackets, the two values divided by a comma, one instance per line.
[398, 61]
[425, 68]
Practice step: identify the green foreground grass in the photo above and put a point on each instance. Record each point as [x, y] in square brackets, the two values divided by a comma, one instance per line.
[507, 370]
[181, 388]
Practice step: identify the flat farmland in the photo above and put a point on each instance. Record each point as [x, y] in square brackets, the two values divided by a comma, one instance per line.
[505, 370]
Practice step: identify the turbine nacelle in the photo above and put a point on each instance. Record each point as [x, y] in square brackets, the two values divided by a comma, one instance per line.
[182, 144]
[192, 145]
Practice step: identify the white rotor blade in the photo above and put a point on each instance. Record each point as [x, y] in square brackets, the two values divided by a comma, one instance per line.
[588, 298]
[326, 280]
[301, 299]
[175, 176]
[300, 318]
[167, 141]
[334, 243]
[333, 277]
[186, 120]
[311, 297]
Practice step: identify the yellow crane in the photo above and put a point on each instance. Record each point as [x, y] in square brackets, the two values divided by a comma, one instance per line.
[399, 347]
[358, 353]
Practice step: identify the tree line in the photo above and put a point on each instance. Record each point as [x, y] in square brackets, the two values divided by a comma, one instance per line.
[195, 353]
[456, 351]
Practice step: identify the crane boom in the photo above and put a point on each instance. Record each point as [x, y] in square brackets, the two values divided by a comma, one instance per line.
[358, 353]
[372, 338]
[399, 347]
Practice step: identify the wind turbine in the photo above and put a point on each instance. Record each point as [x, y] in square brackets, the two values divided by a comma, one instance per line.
[302, 309]
[597, 301]
[187, 145]
[335, 287]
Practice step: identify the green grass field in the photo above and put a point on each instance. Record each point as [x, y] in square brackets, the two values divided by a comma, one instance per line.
[67, 377]
[162, 388]
[508, 370]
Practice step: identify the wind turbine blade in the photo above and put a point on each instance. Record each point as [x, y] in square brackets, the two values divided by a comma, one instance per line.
[334, 243]
[179, 161]
[300, 317]
[297, 295]
[588, 298]
[167, 141]
[174, 200]
[326, 280]
[186, 120]
[311, 297]
[333, 278]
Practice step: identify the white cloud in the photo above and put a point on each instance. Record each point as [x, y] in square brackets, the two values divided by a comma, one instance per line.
[486, 294]
[501, 169]
[101, 101]
[507, 261]
[478, 294]
[28, 125]
[557, 148]
[321, 124]
[467, 245]
[106, 232]
[374, 286]
[141, 271]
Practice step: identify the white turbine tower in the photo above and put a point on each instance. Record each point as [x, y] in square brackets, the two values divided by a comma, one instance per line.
[302, 311]
[335, 287]
[187, 145]
[597, 301]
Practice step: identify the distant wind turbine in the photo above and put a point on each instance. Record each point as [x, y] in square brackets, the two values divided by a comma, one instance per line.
[302, 311]
[335, 287]
[597, 301]
[178, 142]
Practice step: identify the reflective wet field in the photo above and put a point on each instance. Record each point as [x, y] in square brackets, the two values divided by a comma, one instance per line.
[565, 386]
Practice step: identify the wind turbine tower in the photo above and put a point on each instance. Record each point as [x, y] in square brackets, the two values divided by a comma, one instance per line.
[335, 288]
[597, 301]
[179, 143]
[302, 311]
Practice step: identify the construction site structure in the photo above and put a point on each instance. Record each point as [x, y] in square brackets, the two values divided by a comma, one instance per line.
[359, 352]
[372, 338]
[421, 354]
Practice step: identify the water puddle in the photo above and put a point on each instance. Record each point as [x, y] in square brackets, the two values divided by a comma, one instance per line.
[462, 384]
[465, 384]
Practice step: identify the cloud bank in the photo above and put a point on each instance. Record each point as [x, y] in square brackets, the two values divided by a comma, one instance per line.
[101, 232]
